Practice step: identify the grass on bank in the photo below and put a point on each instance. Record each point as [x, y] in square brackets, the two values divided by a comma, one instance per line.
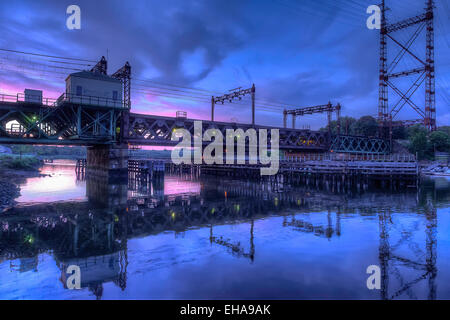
[19, 163]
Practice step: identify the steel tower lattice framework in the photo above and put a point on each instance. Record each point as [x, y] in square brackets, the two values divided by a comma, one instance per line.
[430, 99]
[426, 70]
[124, 75]
[383, 90]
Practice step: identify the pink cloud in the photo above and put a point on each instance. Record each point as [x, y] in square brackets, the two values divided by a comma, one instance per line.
[14, 89]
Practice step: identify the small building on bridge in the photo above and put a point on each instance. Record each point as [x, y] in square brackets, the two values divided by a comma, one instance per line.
[93, 88]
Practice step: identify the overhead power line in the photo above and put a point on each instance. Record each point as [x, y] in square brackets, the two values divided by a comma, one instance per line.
[45, 55]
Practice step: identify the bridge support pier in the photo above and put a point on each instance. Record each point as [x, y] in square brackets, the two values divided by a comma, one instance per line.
[103, 192]
[107, 175]
[108, 161]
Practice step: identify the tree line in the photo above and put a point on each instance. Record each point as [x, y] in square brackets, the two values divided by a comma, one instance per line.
[48, 150]
[416, 138]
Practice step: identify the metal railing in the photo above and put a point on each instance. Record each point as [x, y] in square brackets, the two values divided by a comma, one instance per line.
[90, 100]
[181, 114]
[64, 98]
[350, 157]
[32, 99]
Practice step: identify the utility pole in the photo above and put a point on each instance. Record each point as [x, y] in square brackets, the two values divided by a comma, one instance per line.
[338, 118]
[329, 119]
[329, 108]
[212, 108]
[236, 93]
[253, 104]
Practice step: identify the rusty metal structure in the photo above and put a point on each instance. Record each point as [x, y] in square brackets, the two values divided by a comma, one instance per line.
[425, 70]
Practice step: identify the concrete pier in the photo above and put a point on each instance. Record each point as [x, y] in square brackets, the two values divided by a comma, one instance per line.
[110, 161]
[101, 191]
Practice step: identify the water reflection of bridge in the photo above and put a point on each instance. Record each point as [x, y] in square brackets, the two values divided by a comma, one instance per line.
[95, 238]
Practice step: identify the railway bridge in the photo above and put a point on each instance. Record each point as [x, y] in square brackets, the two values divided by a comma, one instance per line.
[107, 127]
[90, 121]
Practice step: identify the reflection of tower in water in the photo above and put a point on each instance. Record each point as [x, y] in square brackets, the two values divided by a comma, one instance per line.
[396, 265]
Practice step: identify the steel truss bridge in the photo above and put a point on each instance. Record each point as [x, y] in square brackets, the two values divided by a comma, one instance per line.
[156, 130]
[86, 120]
[355, 144]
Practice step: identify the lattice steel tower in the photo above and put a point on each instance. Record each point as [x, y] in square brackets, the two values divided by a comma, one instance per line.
[426, 70]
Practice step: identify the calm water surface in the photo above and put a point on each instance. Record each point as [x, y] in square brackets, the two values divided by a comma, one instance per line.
[191, 238]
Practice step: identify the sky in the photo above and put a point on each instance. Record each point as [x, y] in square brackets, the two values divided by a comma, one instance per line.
[297, 53]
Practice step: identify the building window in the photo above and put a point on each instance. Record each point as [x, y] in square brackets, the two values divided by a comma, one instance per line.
[79, 91]
[115, 95]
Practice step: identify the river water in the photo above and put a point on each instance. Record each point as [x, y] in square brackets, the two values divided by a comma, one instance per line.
[185, 237]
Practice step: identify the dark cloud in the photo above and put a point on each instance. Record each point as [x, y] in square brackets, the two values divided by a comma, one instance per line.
[303, 53]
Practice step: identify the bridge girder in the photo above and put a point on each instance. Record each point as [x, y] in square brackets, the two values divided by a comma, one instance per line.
[355, 144]
[64, 123]
[156, 130]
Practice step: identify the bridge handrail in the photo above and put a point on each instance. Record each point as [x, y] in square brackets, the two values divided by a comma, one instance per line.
[21, 97]
[351, 157]
[7, 97]
[90, 100]
[335, 136]
[65, 97]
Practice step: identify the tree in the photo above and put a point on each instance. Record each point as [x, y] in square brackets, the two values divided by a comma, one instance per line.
[418, 144]
[415, 129]
[440, 141]
[445, 129]
[399, 133]
[346, 126]
[366, 126]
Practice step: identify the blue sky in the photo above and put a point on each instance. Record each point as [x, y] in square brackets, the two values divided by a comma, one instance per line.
[298, 53]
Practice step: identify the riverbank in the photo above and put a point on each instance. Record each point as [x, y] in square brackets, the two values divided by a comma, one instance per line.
[8, 192]
[14, 171]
